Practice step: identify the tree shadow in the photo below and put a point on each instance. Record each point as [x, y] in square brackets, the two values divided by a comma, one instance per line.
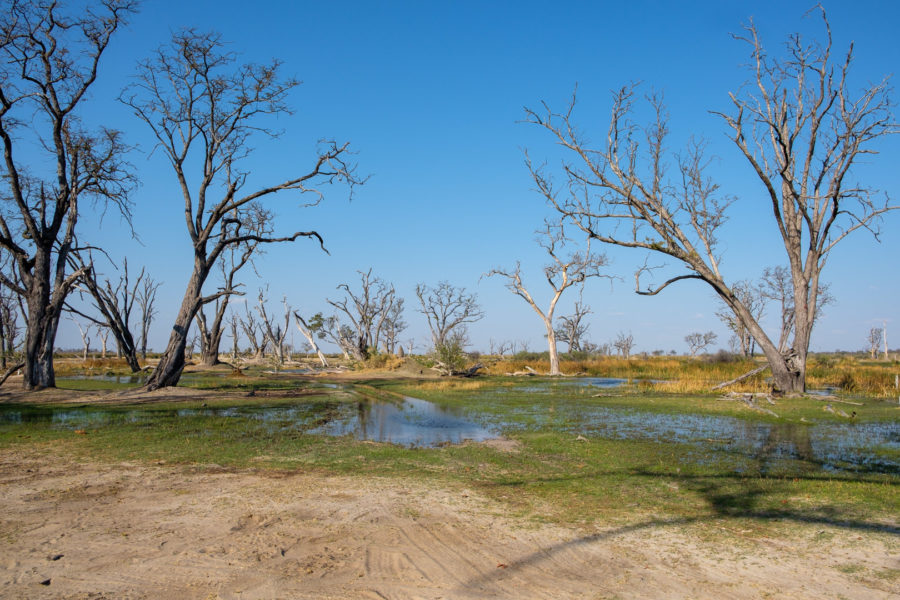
[722, 502]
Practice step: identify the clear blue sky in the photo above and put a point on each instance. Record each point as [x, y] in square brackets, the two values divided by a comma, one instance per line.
[430, 95]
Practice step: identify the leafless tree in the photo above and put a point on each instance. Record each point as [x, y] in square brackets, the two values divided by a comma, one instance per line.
[310, 332]
[231, 261]
[234, 325]
[103, 333]
[85, 332]
[875, 336]
[801, 129]
[447, 307]
[252, 329]
[565, 271]
[274, 332]
[698, 341]
[203, 110]
[145, 296]
[114, 303]
[9, 327]
[50, 59]
[777, 285]
[624, 343]
[394, 326]
[572, 328]
[368, 310]
[751, 296]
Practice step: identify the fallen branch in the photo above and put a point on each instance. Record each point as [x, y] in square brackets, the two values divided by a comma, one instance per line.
[833, 399]
[741, 378]
[11, 371]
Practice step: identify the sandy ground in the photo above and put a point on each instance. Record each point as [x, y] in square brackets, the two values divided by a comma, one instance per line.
[90, 530]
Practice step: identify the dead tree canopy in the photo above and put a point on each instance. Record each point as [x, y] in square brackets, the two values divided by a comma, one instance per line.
[49, 59]
[565, 270]
[447, 307]
[113, 302]
[800, 129]
[369, 310]
[204, 108]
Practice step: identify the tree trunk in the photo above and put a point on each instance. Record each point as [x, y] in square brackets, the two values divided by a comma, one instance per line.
[551, 344]
[41, 325]
[171, 362]
[304, 329]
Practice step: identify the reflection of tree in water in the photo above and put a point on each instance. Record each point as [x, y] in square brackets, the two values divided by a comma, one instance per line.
[783, 441]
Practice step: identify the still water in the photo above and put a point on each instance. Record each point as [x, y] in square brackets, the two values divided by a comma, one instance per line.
[412, 422]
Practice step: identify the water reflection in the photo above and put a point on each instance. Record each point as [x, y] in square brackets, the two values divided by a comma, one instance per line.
[412, 422]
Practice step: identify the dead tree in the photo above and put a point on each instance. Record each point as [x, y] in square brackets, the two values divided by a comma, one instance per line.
[203, 110]
[85, 338]
[310, 334]
[698, 341]
[274, 332]
[393, 326]
[146, 300]
[114, 303]
[50, 60]
[799, 127]
[368, 310]
[624, 343]
[572, 328]
[447, 307]
[751, 296]
[9, 329]
[564, 272]
[232, 260]
[234, 327]
[252, 329]
[876, 334]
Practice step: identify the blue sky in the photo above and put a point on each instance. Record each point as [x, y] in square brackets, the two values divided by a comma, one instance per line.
[431, 95]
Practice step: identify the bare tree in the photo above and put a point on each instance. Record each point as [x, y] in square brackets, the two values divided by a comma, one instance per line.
[800, 128]
[203, 110]
[565, 271]
[394, 326]
[447, 307]
[50, 60]
[146, 300]
[751, 296]
[572, 327]
[234, 324]
[624, 343]
[114, 303]
[310, 332]
[777, 285]
[9, 328]
[230, 262]
[698, 341]
[85, 332]
[368, 310]
[876, 334]
[252, 329]
[274, 332]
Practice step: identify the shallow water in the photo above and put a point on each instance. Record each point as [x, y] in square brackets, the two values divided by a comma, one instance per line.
[831, 446]
[410, 422]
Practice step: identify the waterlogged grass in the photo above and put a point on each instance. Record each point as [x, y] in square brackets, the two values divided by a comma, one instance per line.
[559, 468]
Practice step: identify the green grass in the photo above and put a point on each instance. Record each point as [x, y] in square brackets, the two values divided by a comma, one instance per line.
[551, 476]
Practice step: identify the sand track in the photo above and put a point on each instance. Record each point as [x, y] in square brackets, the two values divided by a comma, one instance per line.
[76, 530]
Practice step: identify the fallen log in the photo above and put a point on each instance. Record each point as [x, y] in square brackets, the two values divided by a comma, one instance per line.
[741, 378]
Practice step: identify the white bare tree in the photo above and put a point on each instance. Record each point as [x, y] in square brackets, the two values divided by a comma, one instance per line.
[565, 271]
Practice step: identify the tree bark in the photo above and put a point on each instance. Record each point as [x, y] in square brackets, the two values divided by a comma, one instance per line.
[171, 362]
